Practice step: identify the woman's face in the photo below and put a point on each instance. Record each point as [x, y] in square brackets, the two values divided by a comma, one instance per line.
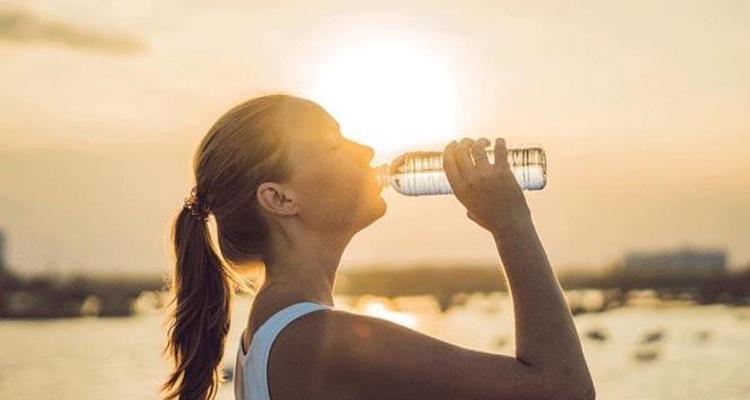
[331, 177]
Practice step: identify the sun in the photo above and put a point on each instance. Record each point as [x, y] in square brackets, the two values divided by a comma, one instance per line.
[389, 93]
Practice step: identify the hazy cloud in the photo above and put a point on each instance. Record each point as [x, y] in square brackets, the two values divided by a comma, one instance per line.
[24, 27]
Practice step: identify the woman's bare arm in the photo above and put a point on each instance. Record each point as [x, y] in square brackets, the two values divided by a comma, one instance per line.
[546, 336]
[352, 356]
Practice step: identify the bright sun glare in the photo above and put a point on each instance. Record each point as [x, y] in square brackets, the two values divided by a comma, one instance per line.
[380, 310]
[391, 93]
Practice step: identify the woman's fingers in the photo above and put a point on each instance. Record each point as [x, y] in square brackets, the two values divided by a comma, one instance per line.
[501, 154]
[452, 172]
[480, 153]
[459, 161]
[463, 157]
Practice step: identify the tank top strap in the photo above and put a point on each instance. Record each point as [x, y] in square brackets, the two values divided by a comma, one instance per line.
[256, 359]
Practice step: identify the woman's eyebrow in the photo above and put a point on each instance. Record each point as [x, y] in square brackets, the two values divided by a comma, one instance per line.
[337, 132]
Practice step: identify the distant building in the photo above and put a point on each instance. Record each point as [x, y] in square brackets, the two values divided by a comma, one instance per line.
[685, 259]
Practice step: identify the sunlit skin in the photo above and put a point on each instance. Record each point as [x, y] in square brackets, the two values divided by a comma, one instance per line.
[331, 195]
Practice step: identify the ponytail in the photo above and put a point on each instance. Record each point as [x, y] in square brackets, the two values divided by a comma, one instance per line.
[201, 289]
[241, 150]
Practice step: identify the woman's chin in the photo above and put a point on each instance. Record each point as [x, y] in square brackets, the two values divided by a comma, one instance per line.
[377, 205]
[378, 208]
[385, 205]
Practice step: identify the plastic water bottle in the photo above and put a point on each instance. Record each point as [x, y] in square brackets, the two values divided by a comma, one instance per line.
[420, 173]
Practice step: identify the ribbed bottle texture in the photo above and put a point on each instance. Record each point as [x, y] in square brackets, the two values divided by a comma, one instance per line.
[420, 173]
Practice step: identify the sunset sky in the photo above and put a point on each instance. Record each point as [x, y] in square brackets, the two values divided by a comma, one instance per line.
[643, 109]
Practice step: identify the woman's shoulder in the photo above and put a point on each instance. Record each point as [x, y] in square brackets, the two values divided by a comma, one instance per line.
[303, 352]
[327, 335]
[336, 353]
[333, 326]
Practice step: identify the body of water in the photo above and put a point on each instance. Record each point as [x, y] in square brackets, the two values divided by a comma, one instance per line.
[652, 350]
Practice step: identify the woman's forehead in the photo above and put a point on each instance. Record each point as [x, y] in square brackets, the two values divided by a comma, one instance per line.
[307, 120]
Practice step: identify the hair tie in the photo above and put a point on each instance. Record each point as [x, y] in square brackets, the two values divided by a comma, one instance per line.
[195, 205]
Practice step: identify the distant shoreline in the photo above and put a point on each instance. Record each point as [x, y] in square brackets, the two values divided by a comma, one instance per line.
[48, 298]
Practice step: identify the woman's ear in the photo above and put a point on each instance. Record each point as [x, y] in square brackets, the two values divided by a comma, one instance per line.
[275, 199]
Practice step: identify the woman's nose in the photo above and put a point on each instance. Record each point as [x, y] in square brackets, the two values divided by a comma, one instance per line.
[370, 153]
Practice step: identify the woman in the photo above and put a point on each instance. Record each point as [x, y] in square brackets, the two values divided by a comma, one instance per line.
[286, 188]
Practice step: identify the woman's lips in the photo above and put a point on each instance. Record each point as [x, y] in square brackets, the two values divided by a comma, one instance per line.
[374, 178]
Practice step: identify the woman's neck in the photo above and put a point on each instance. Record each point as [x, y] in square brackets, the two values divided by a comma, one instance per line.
[300, 286]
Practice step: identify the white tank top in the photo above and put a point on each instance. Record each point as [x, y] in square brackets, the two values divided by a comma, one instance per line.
[250, 370]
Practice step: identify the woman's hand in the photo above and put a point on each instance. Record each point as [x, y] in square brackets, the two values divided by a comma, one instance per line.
[490, 192]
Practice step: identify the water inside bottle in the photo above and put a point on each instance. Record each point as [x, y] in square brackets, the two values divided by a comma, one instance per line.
[421, 173]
